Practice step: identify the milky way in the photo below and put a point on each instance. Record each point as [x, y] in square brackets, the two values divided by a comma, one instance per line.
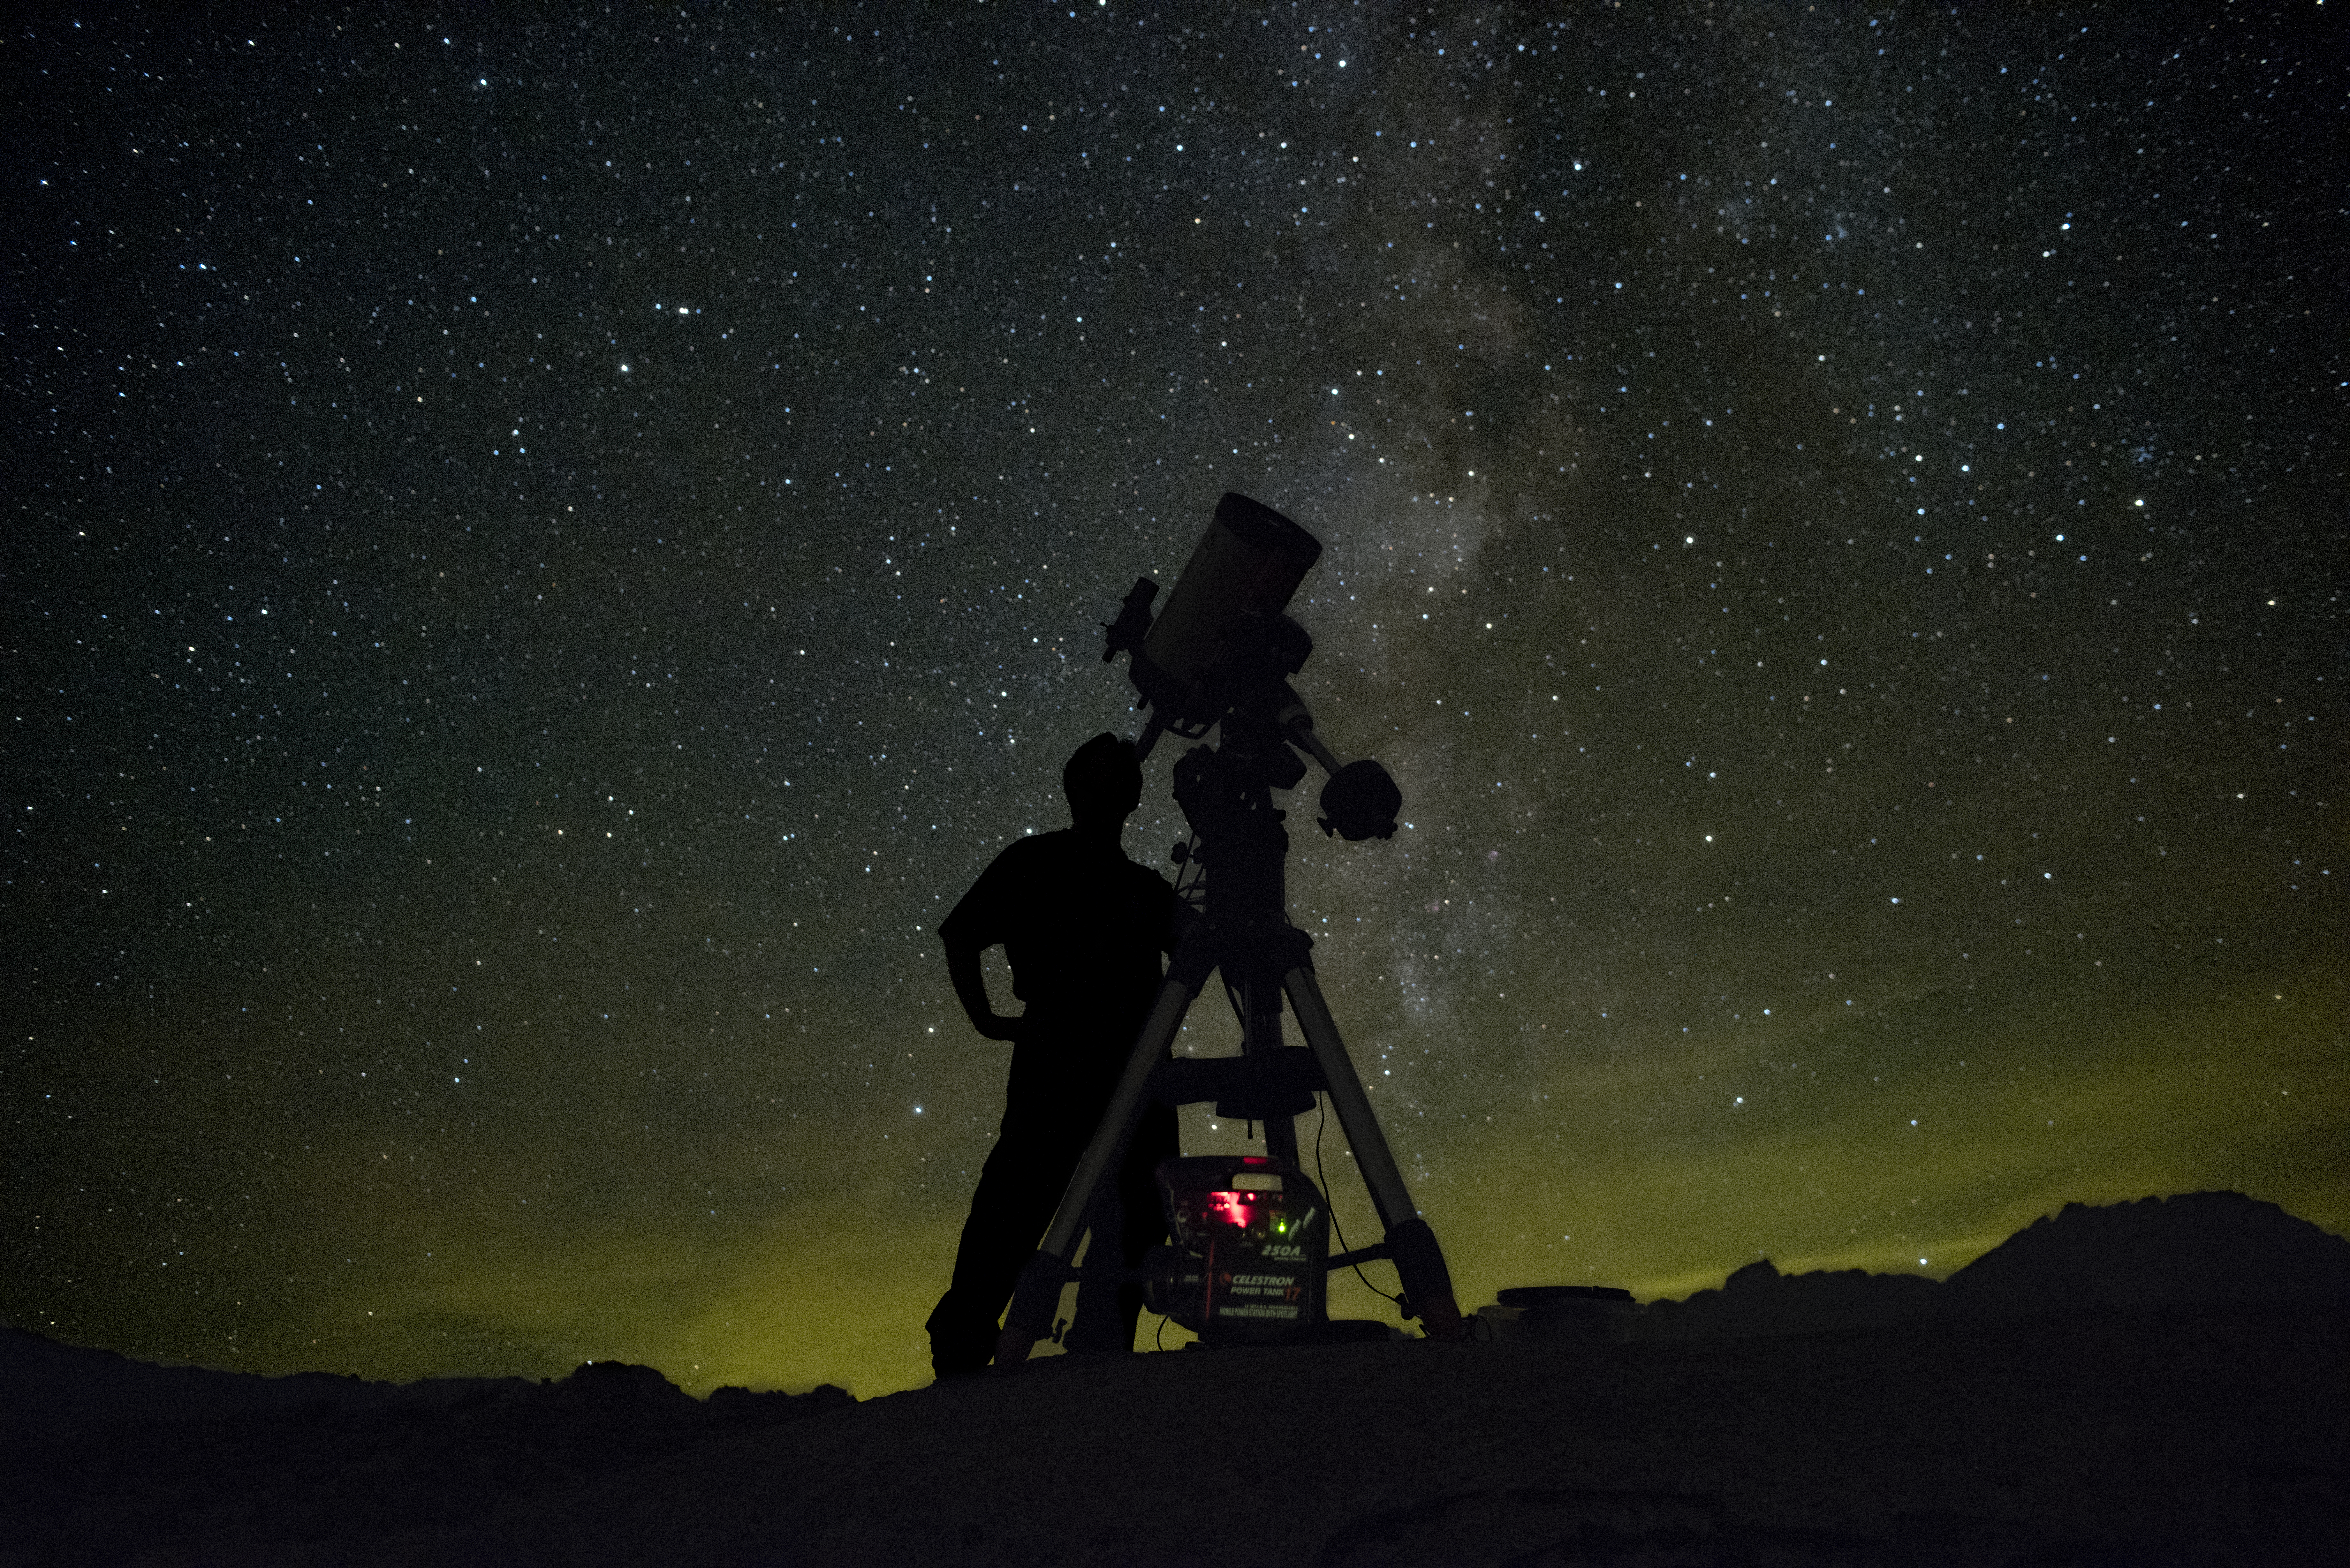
[547, 555]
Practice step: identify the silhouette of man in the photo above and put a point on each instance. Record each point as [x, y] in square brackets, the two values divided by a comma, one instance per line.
[1083, 927]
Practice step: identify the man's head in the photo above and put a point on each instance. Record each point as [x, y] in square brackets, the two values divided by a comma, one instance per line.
[1103, 782]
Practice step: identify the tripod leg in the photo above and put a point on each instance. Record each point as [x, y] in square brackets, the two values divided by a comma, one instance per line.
[1039, 1291]
[1261, 1031]
[1426, 1285]
[1094, 1325]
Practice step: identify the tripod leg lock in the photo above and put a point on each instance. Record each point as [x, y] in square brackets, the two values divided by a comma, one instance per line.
[1427, 1284]
[1034, 1301]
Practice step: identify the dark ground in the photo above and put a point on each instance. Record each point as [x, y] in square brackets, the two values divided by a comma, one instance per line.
[2209, 1435]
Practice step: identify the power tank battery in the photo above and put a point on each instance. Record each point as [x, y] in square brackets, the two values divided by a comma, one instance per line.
[1251, 1253]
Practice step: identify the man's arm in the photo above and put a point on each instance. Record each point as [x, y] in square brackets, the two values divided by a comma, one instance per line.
[970, 990]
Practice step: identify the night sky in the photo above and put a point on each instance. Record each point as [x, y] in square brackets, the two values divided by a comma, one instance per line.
[544, 555]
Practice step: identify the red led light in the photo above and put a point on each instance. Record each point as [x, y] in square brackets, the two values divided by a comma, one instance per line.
[1232, 1206]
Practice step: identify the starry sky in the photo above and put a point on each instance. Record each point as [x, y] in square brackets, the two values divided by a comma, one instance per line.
[544, 552]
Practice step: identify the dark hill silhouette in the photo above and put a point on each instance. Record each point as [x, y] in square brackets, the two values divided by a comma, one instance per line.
[1928, 1430]
[48, 1389]
[240, 1459]
[51, 1387]
[1760, 1300]
[2198, 1249]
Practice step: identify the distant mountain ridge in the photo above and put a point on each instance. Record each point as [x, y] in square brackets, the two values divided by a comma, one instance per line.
[48, 1386]
[2198, 1249]
[48, 1389]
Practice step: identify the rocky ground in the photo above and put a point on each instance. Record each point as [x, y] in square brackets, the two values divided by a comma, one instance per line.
[2160, 1382]
[2206, 1436]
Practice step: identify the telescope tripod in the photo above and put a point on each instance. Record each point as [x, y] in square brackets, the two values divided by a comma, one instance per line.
[1244, 934]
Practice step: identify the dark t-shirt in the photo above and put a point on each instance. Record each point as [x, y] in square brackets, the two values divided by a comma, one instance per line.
[1082, 927]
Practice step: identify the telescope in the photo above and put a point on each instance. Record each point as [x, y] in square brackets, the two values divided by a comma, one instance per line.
[1248, 1261]
[1222, 653]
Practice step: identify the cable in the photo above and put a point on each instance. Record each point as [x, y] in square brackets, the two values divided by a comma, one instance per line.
[1323, 1102]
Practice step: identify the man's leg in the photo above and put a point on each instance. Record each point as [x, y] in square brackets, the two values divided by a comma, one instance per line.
[1145, 1220]
[1019, 1188]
